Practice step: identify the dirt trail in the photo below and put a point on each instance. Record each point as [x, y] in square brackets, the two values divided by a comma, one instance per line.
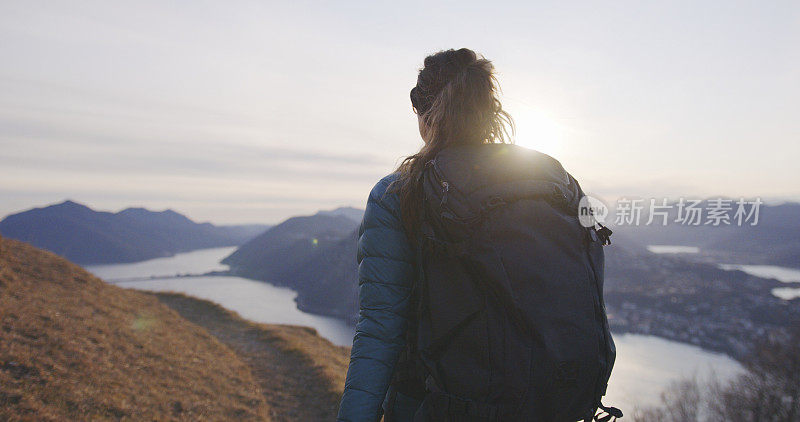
[299, 372]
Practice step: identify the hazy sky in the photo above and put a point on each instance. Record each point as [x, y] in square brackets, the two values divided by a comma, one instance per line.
[243, 111]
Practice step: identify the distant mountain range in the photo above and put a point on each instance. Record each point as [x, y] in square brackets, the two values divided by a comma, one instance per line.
[668, 296]
[354, 214]
[685, 298]
[328, 283]
[86, 236]
[775, 240]
[314, 255]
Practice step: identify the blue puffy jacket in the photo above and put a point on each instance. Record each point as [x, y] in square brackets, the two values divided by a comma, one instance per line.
[385, 275]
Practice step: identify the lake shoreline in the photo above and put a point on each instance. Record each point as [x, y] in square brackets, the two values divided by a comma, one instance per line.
[646, 364]
[615, 330]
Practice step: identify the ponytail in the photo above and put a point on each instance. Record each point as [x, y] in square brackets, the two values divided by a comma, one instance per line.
[456, 99]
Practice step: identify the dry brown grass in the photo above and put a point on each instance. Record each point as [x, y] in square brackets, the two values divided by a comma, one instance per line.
[75, 348]
[301, 373]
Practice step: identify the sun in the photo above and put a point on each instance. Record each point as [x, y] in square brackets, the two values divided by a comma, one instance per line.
[537, 130]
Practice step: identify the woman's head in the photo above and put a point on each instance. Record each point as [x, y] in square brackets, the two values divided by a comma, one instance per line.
[456, 102]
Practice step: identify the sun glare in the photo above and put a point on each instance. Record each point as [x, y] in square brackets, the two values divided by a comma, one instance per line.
[536, 130]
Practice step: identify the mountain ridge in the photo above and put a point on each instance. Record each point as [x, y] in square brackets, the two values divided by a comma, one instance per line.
[313, 255]
[775, 240]
[86, 236]
[280, 251]
[674, 297]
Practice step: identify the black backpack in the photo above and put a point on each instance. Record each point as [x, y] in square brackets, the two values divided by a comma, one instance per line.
[510, 323]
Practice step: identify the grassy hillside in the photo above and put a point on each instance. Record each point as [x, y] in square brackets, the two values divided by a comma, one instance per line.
[301, 374]
[76, 348]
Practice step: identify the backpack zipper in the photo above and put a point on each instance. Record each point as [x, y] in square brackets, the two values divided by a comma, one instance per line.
[598, 303]
[437, 173]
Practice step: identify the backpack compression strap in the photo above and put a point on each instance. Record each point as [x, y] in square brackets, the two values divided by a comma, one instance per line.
[608, 414]
[444, 403]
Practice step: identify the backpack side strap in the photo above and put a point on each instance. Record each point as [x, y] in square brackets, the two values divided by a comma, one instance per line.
[606, 414]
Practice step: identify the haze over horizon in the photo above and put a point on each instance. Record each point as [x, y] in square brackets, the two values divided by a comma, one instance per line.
[255, 112]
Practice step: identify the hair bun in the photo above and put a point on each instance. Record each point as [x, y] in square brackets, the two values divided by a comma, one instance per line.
[464, 57]
[439, 70]
[450, 62]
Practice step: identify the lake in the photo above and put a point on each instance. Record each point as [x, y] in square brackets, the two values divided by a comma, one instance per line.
[254, 300]
[782, 274]
[672, 249]
[645, 364]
